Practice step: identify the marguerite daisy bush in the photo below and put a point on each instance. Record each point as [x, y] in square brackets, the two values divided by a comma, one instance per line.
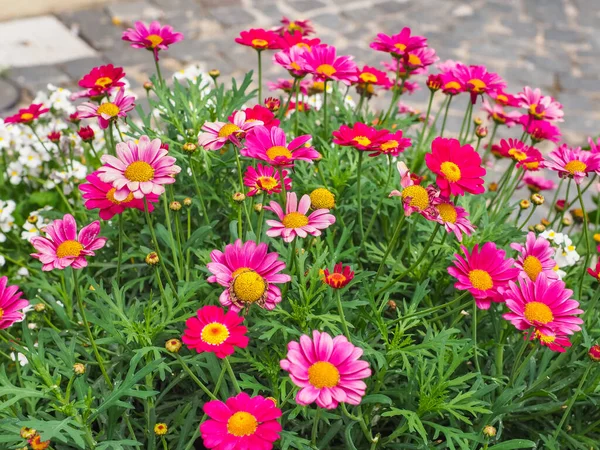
[326, 266]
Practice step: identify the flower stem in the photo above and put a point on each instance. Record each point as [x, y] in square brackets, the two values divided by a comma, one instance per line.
[198, 192]
[297, 110]
[359, 196]
[488, 150]
[120, 255]
[315, 427]
[394, 91]
[196, 380]
[325, 124]
[171, 236]
[426, 121]
[474, 329]
[161, 81]
[588, 250]
[259, 76]
[528, 217]
[572, 401]
[389, 248]
[338, 297]
[446, 115]
[232, 375]
[381, 198]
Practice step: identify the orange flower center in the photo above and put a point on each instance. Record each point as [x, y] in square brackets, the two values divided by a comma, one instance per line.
[155, 40]
[323, 374]
[362, 140]
[110, 109]
[477, 85]
[267, 183]
[414, 60]
[295, 65]
[110, 195]
[481, 280]
[368, 77]
[534, 112]
[532, 266]
[103, 81]
[336, 279]
[452, 85]
[259, 43]
[389, 145]
[575, 166]
[228, 129]
[326, 69]
[278, 150]
[502, 99]
[1, 313]
[538, 312]
[139, 171]
[215, 333]
[451, 171]
[419, 198]
[447, 212]
[241, 424]
[26, 116]
[295, 220]
[69, 249]
[400, 46]
[517, 154]
[544, 338]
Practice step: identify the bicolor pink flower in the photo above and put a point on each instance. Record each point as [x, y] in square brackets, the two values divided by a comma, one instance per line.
[258, 113]
[324, 65]
[63, 247]
[292, 59]
[416, 198]
[304, 27]
[540, 107]
[271, 146]
[241, 422]
[295, 221]
[458, 168]
[265, 179]
[573, 162]
[477, 80]
[483, 272]
[419, 59]
[360, 136]
[108, 111]
[11, 304]
[543, 305]
[259, 39]
[398, 44]
[216, 134]
[295, 39]
[138, 169]
[535, 257]
[451, 84]
[287, 85]
[554, 341]
[391, 144]
[497, 113]
[249, 274]
[102, 79]
[453, 217]
[538, 184]
[154, 37]
[327, 370]
[216, 331]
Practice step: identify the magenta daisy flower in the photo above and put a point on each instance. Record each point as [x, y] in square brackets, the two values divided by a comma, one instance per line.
[295, 222]
[391, 144]
[63, 247]
[217, 134]
[139, 169]
[512, 148]
[216, 331]
[483, 272]
[287, 85]
[540, 107]
[543, 304]
[477, 80]
[573, 162]
[554, 341]
[453, 217]
[398, 44]
[497, 113]
[538, 184]
[11, 304]
[259, 39]
[265, 179]
[304, 27]
[271, 146]
[419, 59]
[249, 275]
[292, 59]
[535, 257]
[322, 62]
[327, 370]
[154, 37]
[102, 79]
[540, 130]
[503, 98]
[241, 422]
[27, 115]
[360, 136]
[416, 198]
[108, 111]
[295, 39]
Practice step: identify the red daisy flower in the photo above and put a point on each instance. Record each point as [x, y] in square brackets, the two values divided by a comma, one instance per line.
[360, 136]
[391, 144]
[340, 276]
[102, 79]
[27, 115]
[259, 39]
[297, 39]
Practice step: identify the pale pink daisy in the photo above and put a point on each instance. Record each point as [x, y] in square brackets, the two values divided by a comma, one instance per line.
[535, 257]
[292, 59]
[154, 37]
[265, 179]
[573, 162]
[109, 111]
[497, 113]
[271, 145]
[295, 222]
[540, 106]
[217, 134]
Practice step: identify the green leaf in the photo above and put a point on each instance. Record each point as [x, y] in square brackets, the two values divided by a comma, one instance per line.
[513, 443]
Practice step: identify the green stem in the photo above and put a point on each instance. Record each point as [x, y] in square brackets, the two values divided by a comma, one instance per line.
[338, 297]
[120, 254]
[325, 124]
[394, 90]
[232, 375]
[488, 150]
[259, 77]
[198, 192]
[565, 206]
[389, 248]
[161, 81]
[572, 401]
[446, 115]
[528, 217]
[474, 330]
[359, 196]
[297, 111]
[171, 236]
[426, 121]
[588, 251]
[315, 428]
[381, 198]
[196, 380]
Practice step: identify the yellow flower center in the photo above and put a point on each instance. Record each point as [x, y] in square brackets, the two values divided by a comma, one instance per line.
[414, 60]
[336, 278]
[318, 86]
[532, 165]
[323, 374]
[242, 424]
[326, 69]
[447, 212]
[228, 130]
[69, 249]
[518, 155]
[321, 198]
[110, 195]
[481, 280]
[400, 46]
[214, 333]
[110, 109]
[248, 286]
[538, 312]
[295, 65]
[532, 267]
[501, 98]
[575, 166]
[544, 338]
[451, 171]
[293, 26]
[267, 183]
[259, 43]
[534, 112]
[139, 171]
[368, 77]
[26, 116]
[362, 140]
[278, 150]
[1, 313]
[389, 145]
[103, 81]
[155, 40]
[295, 220]
[477, 85]
[452, 85]
[419, 198]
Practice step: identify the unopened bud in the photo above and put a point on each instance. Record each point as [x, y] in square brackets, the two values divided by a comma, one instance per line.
[594, 353]
[477, 121]
[481, 132]
[214, 74]
[175, 205]
[391, 304]
[566, 221]
[39, 307]
[540, 228]
[577, 214]
[493, 186]
[78, 369]
[189, 147]
[148, 85]
[524, 204]
[187, 201]
[597, 237]
[545, 222]
[152, 259]
[489, 431]
[238, 197]
[537, 199]
[258, 207]
[173, 345]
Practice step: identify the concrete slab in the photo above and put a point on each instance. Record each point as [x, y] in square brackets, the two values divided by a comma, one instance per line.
[39, 41]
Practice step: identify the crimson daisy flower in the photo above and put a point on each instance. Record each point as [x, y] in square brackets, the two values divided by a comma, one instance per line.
[296, 39]
[154, 37]
[102, 79]
[504, 98]
[497, 113]
[340, 276]
[554, 341]
[216, 331]
[458, 168]
[573, 162]
[27, 115]
[595, 272]
[391, 144]
[258, 113]
[398, 44]
[477, 80]
[369, 77]
[537, 184]
[259, 39]
[304, 27]
[321, 61]
[360, 136]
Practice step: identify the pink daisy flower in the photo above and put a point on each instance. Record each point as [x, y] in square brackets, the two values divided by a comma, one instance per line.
[265, 179]
[416, 198]
[215, 331]
[27, 115]
[63, 247]
[594, 146]
[483, 272]
[540, 130]
[554, 341]
[259, 113]
[542, 304]
[538, 184]
[372, 76]
[11, 304]
[217, 134]
[533, 161]
[477, 80]
[451, 84]
[540, 107]
[241, 422]
[249, 275]
[535, 257]
[102, 79]
[360, 136]
[154, 37]
[458, 168]
[271, 146]
[259, 39]
[419, 59]
[295, 222]
[292, 59]
[497, 113]
[107, 111]
[138, 169]
[398, 44]
[327, 370]
[286, 85]
[391, 144]
[304, 27]
[512, 148]
[101, 195]
[324, 65]
[453, 217]
[573, 162]
[504, 98]
[295, 39]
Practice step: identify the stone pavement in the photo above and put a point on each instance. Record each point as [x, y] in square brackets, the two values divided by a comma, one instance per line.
[551, 44]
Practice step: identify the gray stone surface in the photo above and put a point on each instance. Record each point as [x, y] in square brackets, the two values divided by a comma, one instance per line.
[9, 94]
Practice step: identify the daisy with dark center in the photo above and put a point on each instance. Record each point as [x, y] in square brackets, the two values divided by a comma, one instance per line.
[27, 115]
[360, 136]
[392, 144]
[416, 198]
[102, 79]
[458, 168]
[573, 162]
[483, 272]
[540, 107]
[63, 246]
[340, 276]
[213, 330]
[453, 217]
[271, 146]
[296, 221]
[108, 111]
[216, 134]
[138, 169]
[154, 37]
[265, 179]
[535, 257]
[398, 44]
[11, 304]
[304, 27]
[249, 274]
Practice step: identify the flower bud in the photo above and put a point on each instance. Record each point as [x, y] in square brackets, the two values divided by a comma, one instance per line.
[537, 199]
[539, 228]
[434, 82]
[391, 304]
[160, 429]
[152, 259]
[594, 353]
[597, 237]
[566, 221]
[481, 132]
[477, 121]
[258, 207]
[214, 74]
[272, 104]
[189, 147]
[577, 214]
[86, 134]
[273, 399]
[489, 431]
[28, 433]
[545, 222]
[174, 205]
[54, 136]
[148, 85]
[173, 345]
[560, 205]
[78, 369]
[238, 197]
[493, 186]
[524, 204]
[187, 201]
[39, 307]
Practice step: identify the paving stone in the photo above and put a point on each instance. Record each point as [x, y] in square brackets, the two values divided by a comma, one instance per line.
[306, 5]
[35, 78]
[9, 95]
[94, 26]
[547, 11]
[565, 35]
[76, 69]
[390, 7]
[231, 15]
[131, 12]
